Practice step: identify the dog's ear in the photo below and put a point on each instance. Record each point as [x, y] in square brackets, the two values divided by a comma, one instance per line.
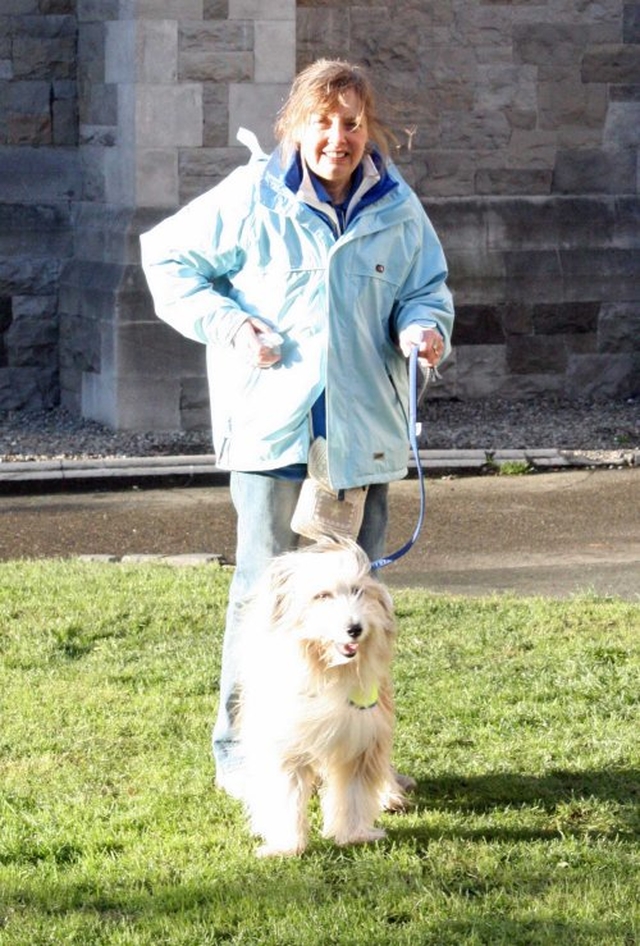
[385, 601]
[277, 600]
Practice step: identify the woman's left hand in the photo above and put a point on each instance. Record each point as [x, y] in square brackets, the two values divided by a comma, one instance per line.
[429, 341]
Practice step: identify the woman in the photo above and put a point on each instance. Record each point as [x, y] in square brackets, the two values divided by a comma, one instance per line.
[309, 275]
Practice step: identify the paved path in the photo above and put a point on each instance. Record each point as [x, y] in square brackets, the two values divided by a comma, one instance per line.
[552, 534]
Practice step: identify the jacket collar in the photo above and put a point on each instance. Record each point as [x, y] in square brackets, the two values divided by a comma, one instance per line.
[371, 182]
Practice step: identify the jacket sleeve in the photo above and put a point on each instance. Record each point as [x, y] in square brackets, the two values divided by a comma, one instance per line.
[189, 258]
[424, 297]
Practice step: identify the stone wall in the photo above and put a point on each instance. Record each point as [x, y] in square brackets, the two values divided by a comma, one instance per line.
[524, 122]
[518, 120]
[164, 88]
[39, 180]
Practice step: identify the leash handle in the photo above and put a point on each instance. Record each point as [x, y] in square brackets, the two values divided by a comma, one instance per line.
[413, 440]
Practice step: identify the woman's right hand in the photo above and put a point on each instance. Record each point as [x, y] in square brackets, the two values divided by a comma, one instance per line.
[258, 343]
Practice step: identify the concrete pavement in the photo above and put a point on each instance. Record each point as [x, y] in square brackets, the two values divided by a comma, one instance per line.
[552, 534]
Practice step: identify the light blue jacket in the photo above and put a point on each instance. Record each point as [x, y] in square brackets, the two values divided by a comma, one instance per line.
[252, 246]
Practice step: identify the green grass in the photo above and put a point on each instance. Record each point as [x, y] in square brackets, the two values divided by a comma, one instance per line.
[519, 717]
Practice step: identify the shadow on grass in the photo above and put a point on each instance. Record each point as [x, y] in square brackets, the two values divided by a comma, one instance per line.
[497, 789]
[577, 795]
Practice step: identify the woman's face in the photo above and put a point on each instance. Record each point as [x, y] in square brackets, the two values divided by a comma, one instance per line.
[332, 144]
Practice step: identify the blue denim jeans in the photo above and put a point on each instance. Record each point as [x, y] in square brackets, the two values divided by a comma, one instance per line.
[264, 506]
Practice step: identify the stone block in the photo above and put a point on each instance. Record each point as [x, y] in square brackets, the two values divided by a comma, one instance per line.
[476, 276]
[22, 274]
[64, 122]
[532, 148]
[532, 224]
[631, 23]
[603, 376]
[601, 273]
[619, 327]
[500, 86]
[156, 177]
[100, 106]
[29, 388]
[157, 51]
[167, 10]
[218, 66]
[622, 126]
[120, 53]
[215, 9]
[37, 57]
[195, 411]
[90, 11]
[32, 342]
[255, 107]
[195, 392]
[478, 325]
[215, 108]
[206, 39]
[581, 344]
[535, 354]
[79, 346]
[39, 175]
[440, 174]
[34, 307]
[517, 319]
[262, 9]
[624, 93]
[319, 26]
[595, 172]
[204, 168]
[28, 96]
[529, 385]
[274, 51]
[565, 318]
[91, 53]
[131, 403]
[150, 350]
[572, 103]
[510, 181]
[533, 276]
[553, 44]
[25, 130]
[481, 370]
[169, 116]
[618, 64]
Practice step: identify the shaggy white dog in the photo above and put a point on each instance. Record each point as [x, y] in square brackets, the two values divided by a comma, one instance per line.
[317, 707]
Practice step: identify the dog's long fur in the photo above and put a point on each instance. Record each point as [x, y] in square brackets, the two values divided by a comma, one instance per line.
[317, 646]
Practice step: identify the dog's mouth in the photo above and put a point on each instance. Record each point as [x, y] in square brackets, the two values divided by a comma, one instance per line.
[347, 650]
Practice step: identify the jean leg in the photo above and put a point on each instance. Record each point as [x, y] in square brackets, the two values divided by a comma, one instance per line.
[373, 531]
[264, 506]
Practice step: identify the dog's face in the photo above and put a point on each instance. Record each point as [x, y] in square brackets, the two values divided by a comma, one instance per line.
[325, 596]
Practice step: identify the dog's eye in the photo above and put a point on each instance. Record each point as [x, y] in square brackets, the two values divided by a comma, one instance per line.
[356, 591]
[323, 596]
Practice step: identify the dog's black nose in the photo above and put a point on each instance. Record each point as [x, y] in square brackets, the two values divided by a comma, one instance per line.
[354, 630]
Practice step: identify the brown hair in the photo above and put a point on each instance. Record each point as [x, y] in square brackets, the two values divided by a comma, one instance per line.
[320, 88]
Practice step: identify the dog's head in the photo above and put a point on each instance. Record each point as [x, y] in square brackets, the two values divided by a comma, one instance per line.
[326, 596]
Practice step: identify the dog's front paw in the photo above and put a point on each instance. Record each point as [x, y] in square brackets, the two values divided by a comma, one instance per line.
[274, 850]
[367, 836]
[393, 800]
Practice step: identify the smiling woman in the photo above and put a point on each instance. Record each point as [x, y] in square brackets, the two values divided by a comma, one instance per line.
[332, 145]
[325, 244]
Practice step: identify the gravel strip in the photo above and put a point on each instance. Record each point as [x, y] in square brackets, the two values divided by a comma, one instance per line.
[490, 424]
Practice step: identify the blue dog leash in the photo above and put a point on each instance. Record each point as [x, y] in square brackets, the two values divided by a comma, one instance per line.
[413, 440]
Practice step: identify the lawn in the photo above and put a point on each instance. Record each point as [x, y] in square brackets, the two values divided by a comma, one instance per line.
[519, 718]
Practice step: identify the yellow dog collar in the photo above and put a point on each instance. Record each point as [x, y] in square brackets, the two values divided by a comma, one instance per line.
[364, 699]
